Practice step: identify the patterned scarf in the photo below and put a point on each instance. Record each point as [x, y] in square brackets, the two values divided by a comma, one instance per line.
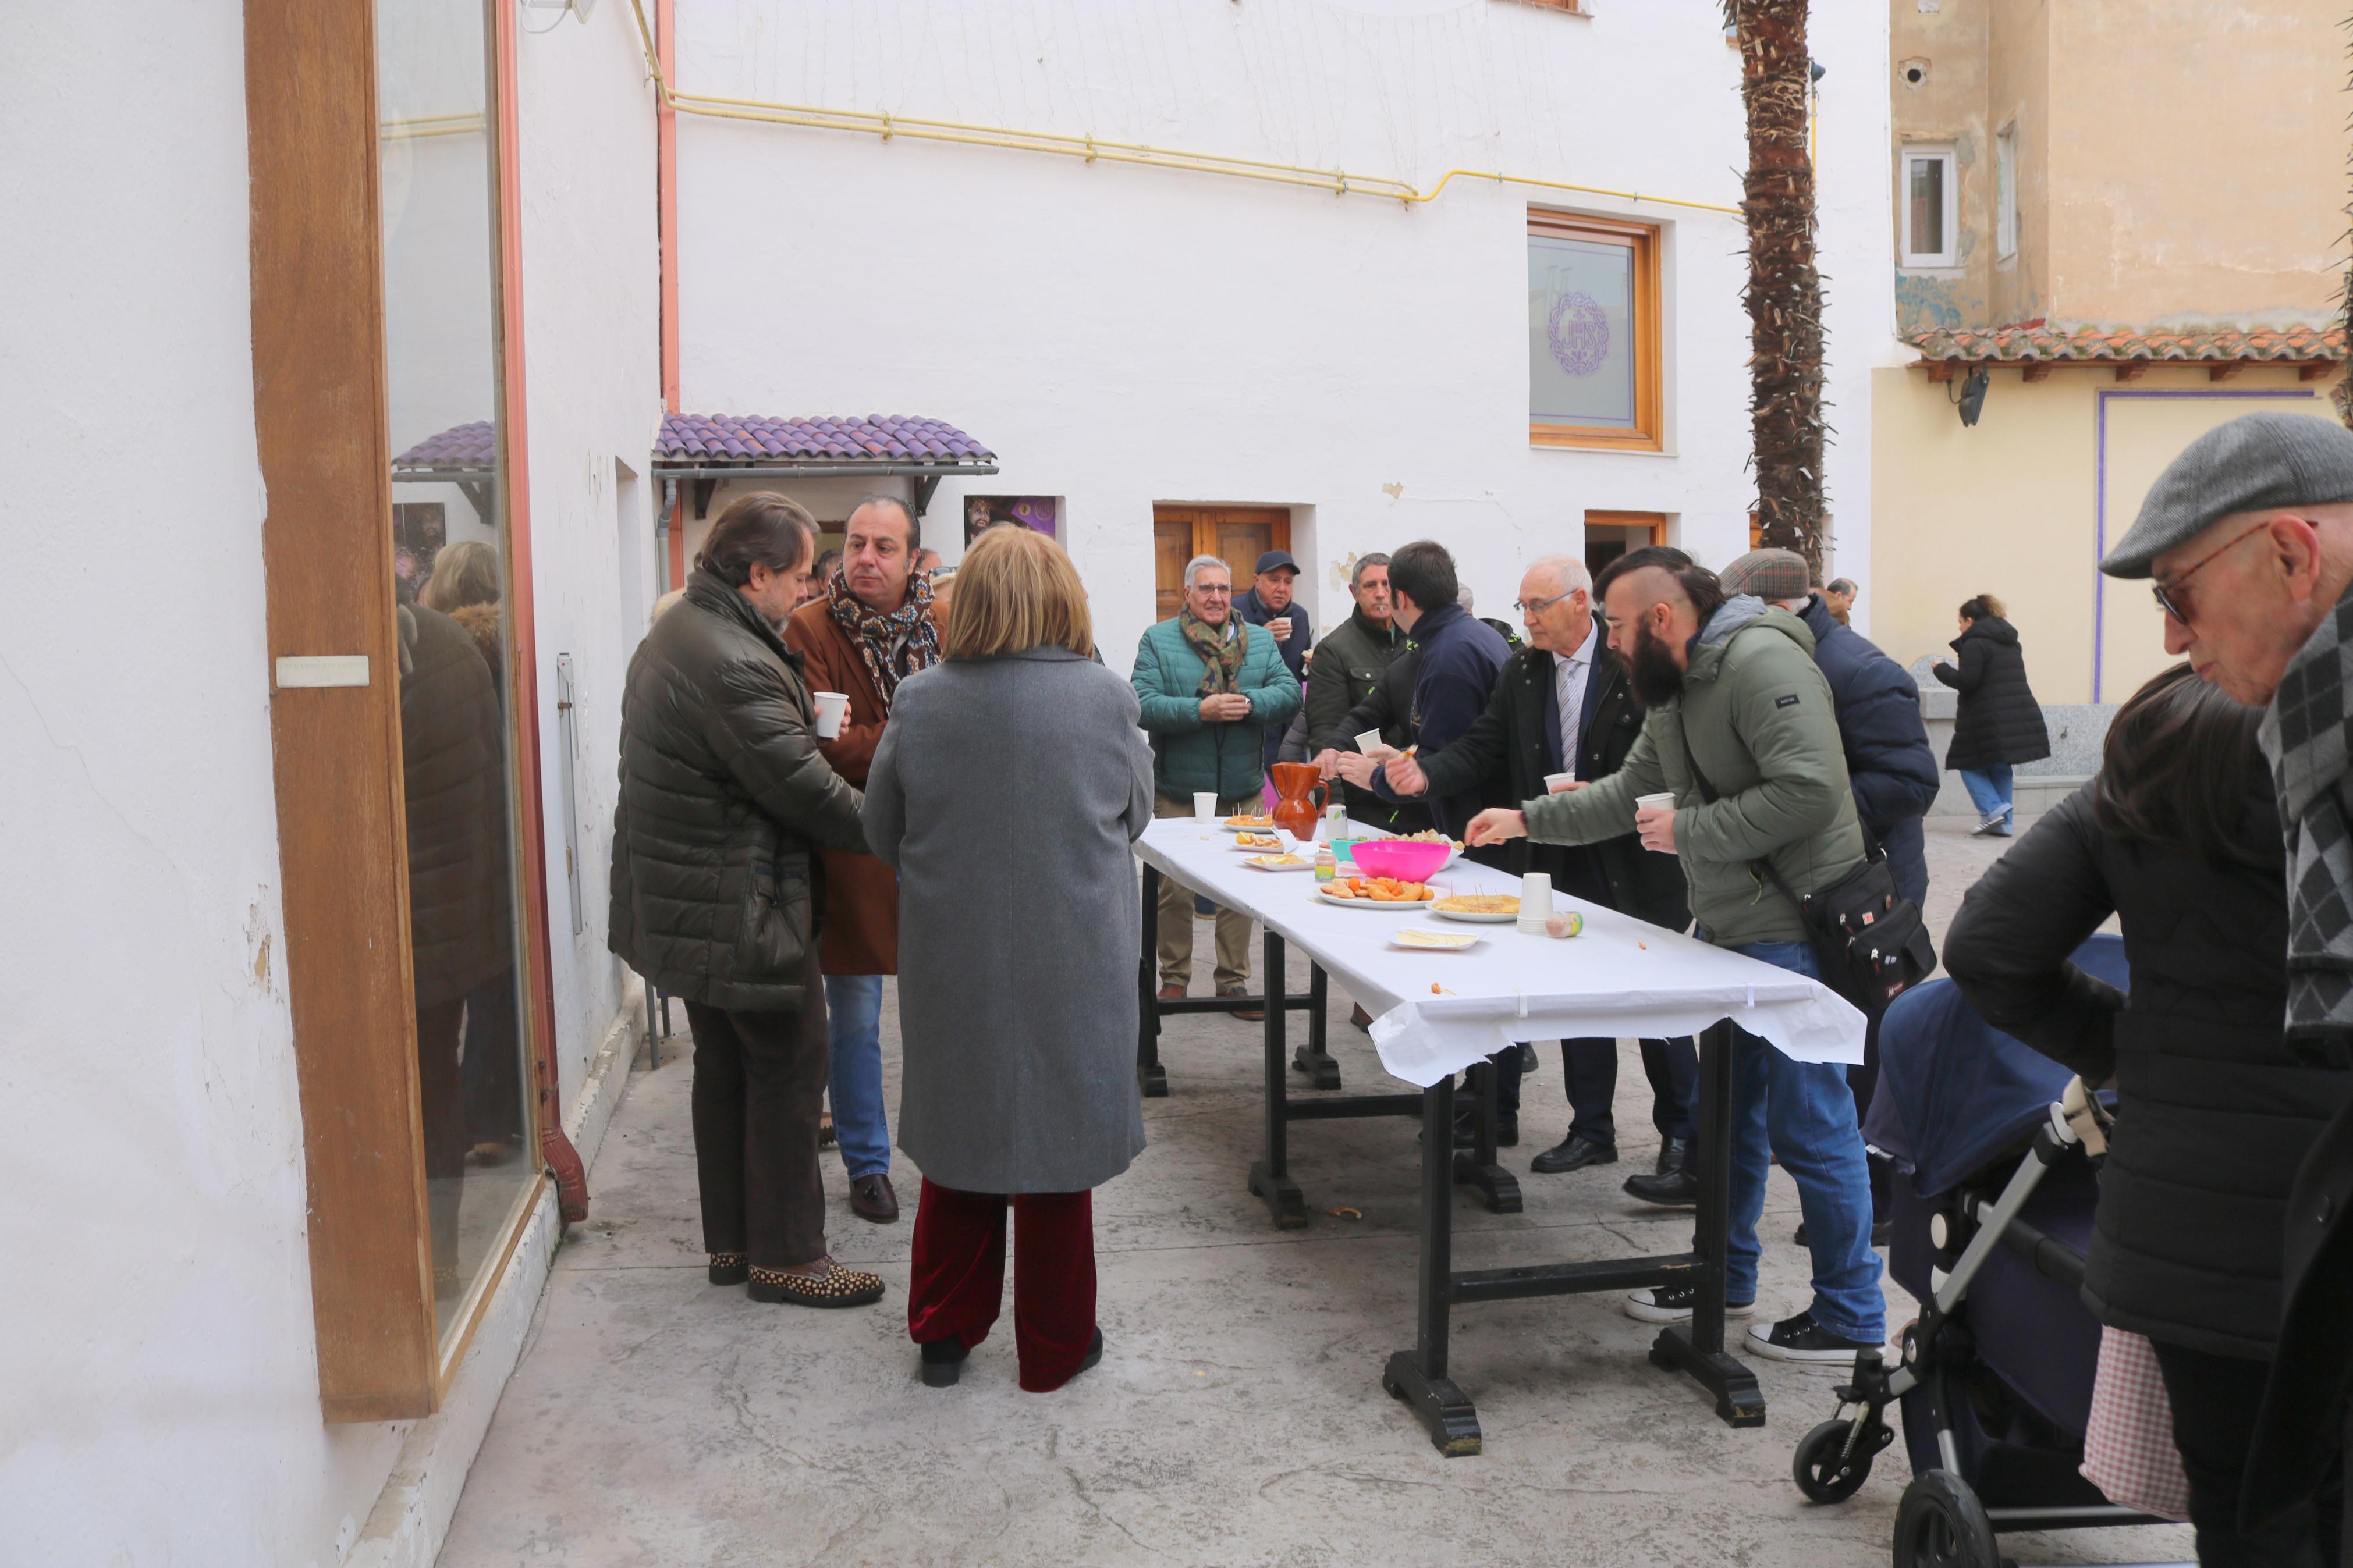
[893, 646]
[1221, 647]
[2307, 735]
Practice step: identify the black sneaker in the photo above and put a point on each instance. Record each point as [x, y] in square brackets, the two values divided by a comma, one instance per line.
[1674, 1304]
[1802, 1339]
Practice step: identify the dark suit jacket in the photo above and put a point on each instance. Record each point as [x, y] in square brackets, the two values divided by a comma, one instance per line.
[1516, 741]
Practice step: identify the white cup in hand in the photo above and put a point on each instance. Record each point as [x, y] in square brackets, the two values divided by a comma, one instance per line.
[1279, 628]
[1555, 782]
[832, 707]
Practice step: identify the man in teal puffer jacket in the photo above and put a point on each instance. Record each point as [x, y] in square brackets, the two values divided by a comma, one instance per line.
[1211, 685]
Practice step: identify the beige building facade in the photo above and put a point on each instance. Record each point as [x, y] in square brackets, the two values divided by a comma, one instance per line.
[2116, 226]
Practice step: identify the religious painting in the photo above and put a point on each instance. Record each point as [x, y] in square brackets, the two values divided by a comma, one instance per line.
[981, 513]
[1592, 333]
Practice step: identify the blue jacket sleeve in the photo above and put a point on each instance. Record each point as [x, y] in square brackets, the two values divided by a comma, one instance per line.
[1893, 770]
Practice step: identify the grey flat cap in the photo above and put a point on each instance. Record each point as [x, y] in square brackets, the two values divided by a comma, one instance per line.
[1769, 574]
[2255, 462]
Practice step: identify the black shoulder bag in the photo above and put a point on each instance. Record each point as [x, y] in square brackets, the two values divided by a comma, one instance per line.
[1870, 941]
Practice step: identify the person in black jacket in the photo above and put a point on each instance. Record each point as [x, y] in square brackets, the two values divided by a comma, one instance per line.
[1997, 724]
[1456, 660]
[2179, 835]
[1563, 705]
[723, 796]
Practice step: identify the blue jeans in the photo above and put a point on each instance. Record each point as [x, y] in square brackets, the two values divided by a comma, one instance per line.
[853, 1007]
[1802, 1113]
[1989, 788]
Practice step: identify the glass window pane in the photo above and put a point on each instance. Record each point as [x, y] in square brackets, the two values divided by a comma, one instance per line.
[449, 550]
[1581, 344]
[1927, 206]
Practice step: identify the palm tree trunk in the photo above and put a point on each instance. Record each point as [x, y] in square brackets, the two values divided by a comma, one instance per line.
[1785, 293]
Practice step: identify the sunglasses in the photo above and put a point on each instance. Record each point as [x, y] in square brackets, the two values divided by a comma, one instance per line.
[2169, 595]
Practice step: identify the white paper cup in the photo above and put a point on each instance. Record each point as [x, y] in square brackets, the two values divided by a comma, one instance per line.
[1664, 799]
[1205, 806]
[1370, 741]
[832, 707]
[1555, 782]
[1535, 902]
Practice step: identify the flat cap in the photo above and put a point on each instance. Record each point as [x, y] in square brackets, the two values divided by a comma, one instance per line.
[1769, 574]
[2256, 462]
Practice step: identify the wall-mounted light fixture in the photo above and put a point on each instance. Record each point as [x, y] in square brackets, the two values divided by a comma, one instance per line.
[1972, 397]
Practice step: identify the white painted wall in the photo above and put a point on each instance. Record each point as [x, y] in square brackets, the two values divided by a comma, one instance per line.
[1122, 336]
[592, 344]
[161, 1401]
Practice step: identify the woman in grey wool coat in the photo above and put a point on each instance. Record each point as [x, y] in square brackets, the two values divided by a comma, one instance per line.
[1008, 792]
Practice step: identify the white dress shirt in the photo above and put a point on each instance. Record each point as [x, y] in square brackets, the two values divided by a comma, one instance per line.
[1569, 672]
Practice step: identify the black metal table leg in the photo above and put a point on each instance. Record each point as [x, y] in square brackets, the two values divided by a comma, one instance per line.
[1419, 1376]
[1699, 1349]
[1149, 1074]
[1477, 1166]
[1271, 1177]
[1312, 1058]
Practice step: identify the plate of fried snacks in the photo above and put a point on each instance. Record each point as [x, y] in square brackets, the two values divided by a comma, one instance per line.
[1248, 840]
[1375, 892]
[1248, 823]
[1494, 908]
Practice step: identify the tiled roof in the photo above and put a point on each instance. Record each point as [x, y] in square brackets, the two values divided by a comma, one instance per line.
[721, 440]
[473, 446]
[2035, 342]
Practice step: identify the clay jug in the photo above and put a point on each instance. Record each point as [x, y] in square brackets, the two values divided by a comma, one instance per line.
[1302, 794]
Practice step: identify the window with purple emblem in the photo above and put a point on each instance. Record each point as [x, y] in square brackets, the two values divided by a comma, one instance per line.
[1593, 332]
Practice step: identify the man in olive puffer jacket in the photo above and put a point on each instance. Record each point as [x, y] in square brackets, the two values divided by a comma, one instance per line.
[723, 794]
[1732, 695]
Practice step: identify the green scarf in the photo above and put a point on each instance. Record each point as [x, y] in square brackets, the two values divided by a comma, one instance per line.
[1221, 649]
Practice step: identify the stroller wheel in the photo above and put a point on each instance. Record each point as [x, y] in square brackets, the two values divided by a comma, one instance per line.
[1941, 1525]
[1824, 1471]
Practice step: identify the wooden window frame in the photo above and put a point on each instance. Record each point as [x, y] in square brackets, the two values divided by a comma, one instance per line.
[322, 423]
[1649, 434]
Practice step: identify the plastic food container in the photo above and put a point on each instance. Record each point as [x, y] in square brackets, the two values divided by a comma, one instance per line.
[1406, 859]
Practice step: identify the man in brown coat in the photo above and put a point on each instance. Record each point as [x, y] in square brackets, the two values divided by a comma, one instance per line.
[870, 629]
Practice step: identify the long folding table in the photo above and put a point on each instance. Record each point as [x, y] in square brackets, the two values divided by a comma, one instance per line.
[1440, 1013]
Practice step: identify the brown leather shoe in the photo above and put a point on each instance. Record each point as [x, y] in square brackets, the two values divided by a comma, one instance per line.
[870, 1198]
[1172, 994]
[1249, 1012]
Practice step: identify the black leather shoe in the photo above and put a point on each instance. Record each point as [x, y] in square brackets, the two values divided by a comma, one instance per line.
[872, 1199]
[1573, 1153]
[1675, 1154]
[942, 1361]
[1668, 1189]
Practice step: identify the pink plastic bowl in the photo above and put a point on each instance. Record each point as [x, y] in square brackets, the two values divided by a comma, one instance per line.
[1408, 860]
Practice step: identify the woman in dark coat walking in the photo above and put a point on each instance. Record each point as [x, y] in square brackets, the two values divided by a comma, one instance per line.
[1999, 723]
[1008, 792]
[2179, 837]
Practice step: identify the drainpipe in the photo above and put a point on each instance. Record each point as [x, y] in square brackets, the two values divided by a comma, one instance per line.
[666, 156]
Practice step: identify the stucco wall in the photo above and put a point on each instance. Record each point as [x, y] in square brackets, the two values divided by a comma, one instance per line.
[1122, 336]
[155, 1338]
[2016, 507]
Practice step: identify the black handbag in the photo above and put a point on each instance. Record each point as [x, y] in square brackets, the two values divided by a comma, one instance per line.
[1870, 941]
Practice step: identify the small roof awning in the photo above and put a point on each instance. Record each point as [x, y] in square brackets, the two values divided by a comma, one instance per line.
[705, 448]
[464, 455]
[2037, 348]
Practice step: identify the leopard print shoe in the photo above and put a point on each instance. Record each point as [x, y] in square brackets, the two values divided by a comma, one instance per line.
[836, 1286]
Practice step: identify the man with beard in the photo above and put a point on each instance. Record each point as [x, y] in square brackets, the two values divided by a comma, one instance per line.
[1742, 732]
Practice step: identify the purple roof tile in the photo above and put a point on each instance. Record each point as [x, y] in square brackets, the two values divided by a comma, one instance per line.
[717, 439]
[470, 446]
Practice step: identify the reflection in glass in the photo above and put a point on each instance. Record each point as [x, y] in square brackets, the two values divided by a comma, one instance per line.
[447, 541]
[1580, 333]
[1927, 195]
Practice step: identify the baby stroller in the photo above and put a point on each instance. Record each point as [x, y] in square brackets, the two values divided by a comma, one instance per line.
[1992, 1212]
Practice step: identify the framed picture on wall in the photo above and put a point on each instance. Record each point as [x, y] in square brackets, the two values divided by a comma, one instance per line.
[982, 513]
[420, 529]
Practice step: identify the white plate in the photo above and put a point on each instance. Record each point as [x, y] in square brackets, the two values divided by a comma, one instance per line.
[1225, 826]
[1476, 918]
[1415, 939]
[1260, 849]
[1258, 863]
[1399, 909]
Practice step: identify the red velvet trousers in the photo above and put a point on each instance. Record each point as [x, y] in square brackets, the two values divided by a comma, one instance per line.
[957, 1282]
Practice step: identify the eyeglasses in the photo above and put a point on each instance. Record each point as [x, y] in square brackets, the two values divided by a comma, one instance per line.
[2168, 595]
[1539, 606]
[1213, 590]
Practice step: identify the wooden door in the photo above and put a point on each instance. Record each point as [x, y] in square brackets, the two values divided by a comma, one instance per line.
[1238, 536]
[1609, 534]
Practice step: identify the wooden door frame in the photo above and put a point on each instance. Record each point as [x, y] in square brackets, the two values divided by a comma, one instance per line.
[1646, 317]
[322, 426]
[1655, 522]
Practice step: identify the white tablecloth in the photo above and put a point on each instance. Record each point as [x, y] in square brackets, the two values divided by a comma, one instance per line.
[1437, 1013]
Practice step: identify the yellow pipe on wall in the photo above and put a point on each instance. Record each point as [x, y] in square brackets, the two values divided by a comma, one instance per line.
[1094, 150]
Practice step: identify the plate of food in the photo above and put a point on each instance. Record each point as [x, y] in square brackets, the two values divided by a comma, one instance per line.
[1492, 908]
[1374, 893]
[1421, 940]
[1248, 823]
[1252, 840]
[1278, 862]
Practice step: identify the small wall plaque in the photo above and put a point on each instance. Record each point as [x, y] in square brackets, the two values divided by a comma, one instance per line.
[323, 669]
